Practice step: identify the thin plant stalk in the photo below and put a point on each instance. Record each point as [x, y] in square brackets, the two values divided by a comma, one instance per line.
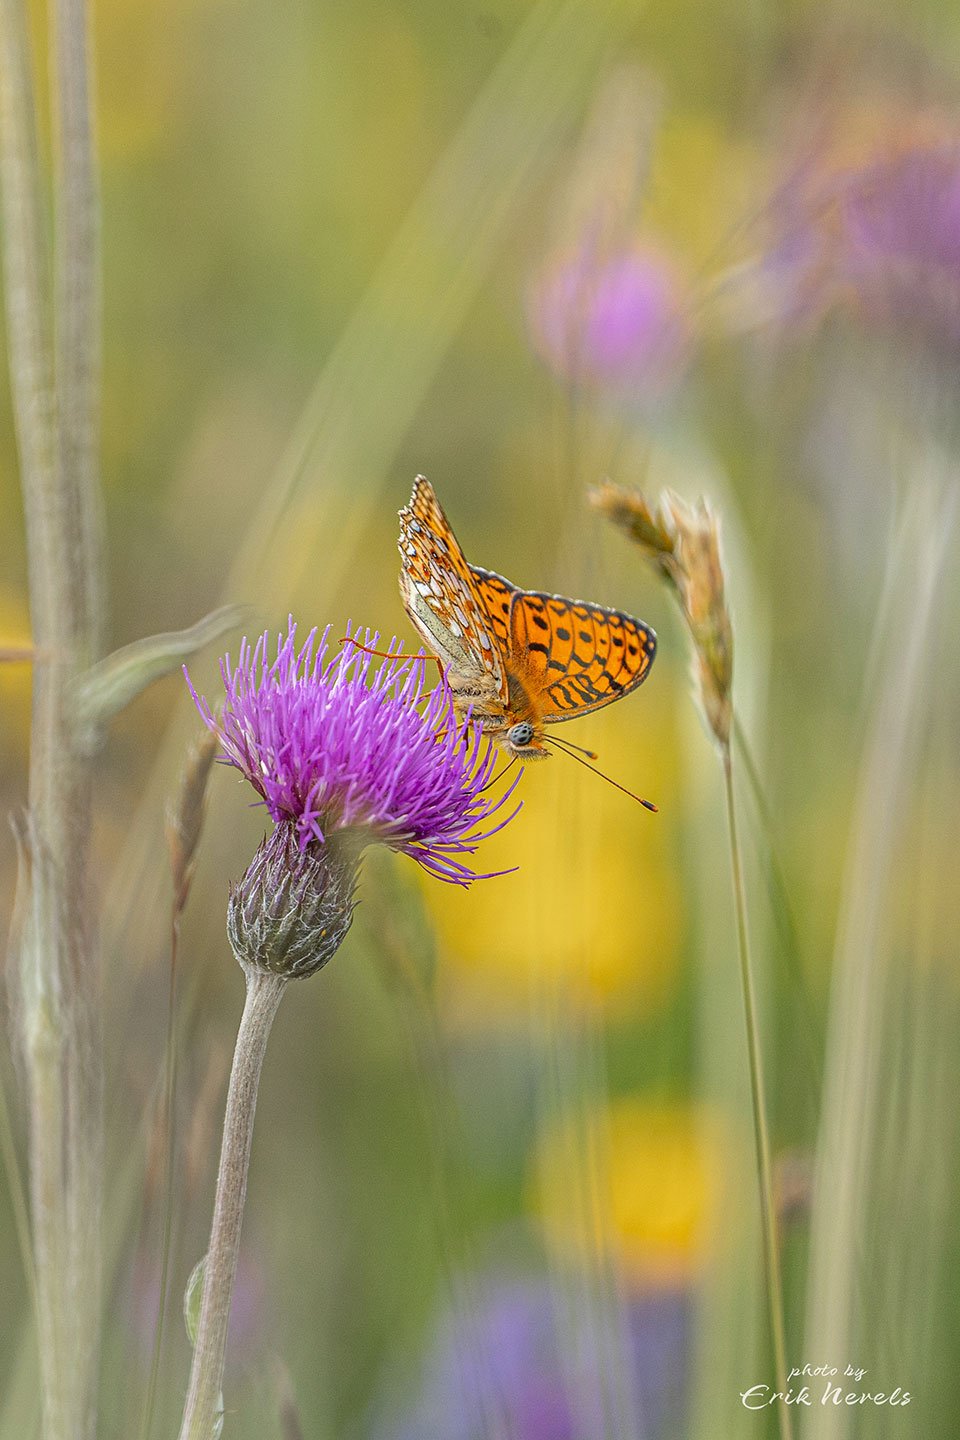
[810, 1033]
[77, 346]
[184, 828]
[768, 1218]
[842, 1261]
[264, 990]
[59, 1001]
[169, 1109]
[77, 311]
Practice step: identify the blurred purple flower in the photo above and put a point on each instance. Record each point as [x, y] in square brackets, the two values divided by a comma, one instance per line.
[875, 235]
[903, 240]
[506, 1361]
[618, 321]
[908, 208]
[332, 749]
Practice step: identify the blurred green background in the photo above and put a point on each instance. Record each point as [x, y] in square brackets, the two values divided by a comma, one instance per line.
[324, 228]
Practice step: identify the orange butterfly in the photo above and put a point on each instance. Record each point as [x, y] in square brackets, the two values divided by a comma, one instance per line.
[521, 660]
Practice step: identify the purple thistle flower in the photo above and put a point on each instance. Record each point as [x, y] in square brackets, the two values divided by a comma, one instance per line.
[343, 758]
[331, 749]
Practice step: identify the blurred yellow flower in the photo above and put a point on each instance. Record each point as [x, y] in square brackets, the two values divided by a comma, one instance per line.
[15, 675]
[594, 906]
[660, 1193]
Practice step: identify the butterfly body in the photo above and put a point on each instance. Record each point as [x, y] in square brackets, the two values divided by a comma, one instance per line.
[519, 659]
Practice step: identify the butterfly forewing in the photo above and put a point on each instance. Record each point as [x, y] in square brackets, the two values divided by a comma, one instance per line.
[582, 656]
[441, 597]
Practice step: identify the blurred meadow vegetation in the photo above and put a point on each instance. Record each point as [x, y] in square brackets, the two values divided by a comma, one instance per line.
[323, 231]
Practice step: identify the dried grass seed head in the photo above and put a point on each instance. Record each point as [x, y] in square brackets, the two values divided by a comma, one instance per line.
[682, 541]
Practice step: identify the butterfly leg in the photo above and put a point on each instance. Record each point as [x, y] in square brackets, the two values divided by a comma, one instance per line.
[395, 655]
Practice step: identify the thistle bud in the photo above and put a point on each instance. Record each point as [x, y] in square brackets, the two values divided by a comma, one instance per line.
[292, 909]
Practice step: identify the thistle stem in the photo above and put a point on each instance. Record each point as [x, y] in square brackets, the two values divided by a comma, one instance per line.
[264, 990]
[771, 1248]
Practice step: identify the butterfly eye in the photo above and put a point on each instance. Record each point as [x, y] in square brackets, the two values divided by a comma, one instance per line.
[520, 734]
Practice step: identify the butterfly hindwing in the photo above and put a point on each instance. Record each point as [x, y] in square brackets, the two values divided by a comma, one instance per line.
[581, 656]
[440, 595]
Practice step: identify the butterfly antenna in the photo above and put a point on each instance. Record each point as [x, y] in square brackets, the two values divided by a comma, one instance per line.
[494, 778]
[569, 745]
[549, 739]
